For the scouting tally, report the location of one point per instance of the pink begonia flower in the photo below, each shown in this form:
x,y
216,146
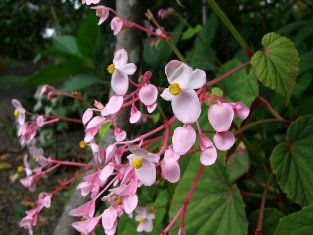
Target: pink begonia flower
x,y
93,127
37,154
98,152
151,108
148,94
120,70
88,114
30,220
91,184
113,106
86,210
19,111
241,110
106,172
135,114
27,131
110,152
88,2
183,80
86,226
170,167
33,176
224,140
116,25
145,220
102,12
144,164
109,221
164,13
183,139
221,116
119,134
208,151
98,104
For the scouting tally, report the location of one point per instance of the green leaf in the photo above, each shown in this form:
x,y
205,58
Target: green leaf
x,y
104,129
79,82
190,32
237,164
216,206
292,161
65,45
297,223
270,220
277,64
239,87
160,210
215,91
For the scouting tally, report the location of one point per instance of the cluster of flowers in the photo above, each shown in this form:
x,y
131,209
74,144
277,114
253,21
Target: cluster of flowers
x,y
126,165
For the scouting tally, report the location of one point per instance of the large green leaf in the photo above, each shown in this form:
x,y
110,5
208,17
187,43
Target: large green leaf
x,y
270,220
79,82
216,206
239,87
292,161
277,64
299,223
238,163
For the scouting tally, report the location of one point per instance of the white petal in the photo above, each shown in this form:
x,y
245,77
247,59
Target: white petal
x,y
119,82
186,106
120,58
147,173
167,95
177,72
197,79
130,203
129,69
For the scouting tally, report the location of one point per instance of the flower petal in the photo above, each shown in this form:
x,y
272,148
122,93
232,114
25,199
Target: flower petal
x,y
120,58
135,115
170,156
148,94
221,116
147,173
208,156
151,108
86,210
130,203
116,25
87,116
177,72
167,95
224,140
119,82
241,110
186,106
183,139
109,217
129,69
171,171
196,80
86,226
114,105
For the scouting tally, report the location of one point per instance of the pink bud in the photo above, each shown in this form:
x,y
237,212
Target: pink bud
x,y
135,114
224,140
241,110
221,116
116,25
183,139
148,94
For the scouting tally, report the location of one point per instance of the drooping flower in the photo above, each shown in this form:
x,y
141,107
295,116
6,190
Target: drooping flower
x,y
221,116
19,111
183,80
86,226
145,220
169,166
109,221
224,140
102,12
116,25
144,164
208,151
183,139
135,114
148,95
86,210
120,70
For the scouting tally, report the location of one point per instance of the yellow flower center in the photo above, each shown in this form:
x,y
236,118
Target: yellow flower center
x,y
174,89
20,169
99,11
111,68
141,220
118,201
137,162
82,144
16,113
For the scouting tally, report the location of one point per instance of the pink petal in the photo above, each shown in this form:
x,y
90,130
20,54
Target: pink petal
x,y
106,172
148,94
224,140
88,137
241,110
127,190
110,152
130,203
183,139
171,171
88,2
167,95
86,210
208,156
120,58
114,105
95,122
147,173
116,25
197,79
186,106
151,157
17,104
205,142
129,69
221,116
87,116
151,108
177,72
86,226
135,115
120,135
170,156
109,217
119,82
40,120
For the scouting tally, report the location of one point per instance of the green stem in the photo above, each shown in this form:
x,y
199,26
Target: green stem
x,y
257,123
219,12
176,51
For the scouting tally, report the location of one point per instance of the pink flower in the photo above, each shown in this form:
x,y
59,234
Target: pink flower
x,y
221,116
208,151
183,139
87,116
93,127
183,80
144,164
30,220
31,180
145,220
135,114
224,140
148,95
86,226
116,25
91,184
19,111
119,134
113,106
170,167
120,70
241,110
109,221
86,210
102,12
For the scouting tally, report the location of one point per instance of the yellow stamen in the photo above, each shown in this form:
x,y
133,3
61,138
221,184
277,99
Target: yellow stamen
x,y
174,89
118,201
82,144
20,169
111,68
16,113
137,162
141,220
99,11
